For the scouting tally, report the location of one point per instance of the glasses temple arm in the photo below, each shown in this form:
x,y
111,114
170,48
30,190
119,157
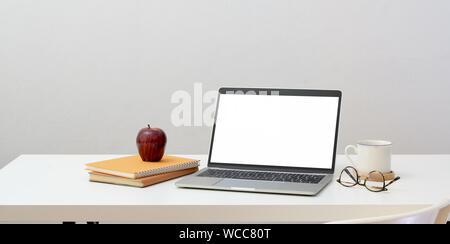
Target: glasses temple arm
x,y
350,174
394,180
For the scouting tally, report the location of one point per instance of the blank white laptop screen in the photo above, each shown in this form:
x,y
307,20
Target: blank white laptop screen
x,y
288,131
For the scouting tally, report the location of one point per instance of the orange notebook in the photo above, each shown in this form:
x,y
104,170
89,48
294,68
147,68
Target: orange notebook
x,y
134,168
142,182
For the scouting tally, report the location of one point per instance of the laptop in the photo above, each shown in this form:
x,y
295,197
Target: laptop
x,y
271,141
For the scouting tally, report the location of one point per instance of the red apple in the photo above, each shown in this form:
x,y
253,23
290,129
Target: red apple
x,y
151,143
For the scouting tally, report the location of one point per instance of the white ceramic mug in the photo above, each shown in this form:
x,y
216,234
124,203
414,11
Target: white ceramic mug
x,y
371,155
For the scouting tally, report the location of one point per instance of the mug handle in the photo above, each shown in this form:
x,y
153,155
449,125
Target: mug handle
x,y
348,155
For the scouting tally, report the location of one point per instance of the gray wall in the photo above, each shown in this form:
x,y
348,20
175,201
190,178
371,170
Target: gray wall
x,y
84,76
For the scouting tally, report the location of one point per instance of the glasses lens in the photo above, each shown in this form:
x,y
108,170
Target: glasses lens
x,y
349,177
375,181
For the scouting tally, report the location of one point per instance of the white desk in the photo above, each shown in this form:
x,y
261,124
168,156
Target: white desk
x,y
54,188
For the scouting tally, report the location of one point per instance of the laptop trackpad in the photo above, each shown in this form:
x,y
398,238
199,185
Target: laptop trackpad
x,y
247,184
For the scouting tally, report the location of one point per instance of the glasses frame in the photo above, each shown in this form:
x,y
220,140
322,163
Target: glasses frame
x,y
358,179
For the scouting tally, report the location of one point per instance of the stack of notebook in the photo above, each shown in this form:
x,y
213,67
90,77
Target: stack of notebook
x,y
132,171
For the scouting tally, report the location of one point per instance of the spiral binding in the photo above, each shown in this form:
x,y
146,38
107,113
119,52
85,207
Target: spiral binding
x,y
167,169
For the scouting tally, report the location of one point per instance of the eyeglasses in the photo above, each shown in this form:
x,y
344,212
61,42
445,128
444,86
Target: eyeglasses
x,y
374,181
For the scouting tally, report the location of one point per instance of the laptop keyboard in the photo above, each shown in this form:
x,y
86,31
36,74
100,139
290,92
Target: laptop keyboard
x,y
265,176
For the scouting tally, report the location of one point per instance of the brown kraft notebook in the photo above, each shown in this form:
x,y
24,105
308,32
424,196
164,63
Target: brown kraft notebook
x,y
134,168
142,182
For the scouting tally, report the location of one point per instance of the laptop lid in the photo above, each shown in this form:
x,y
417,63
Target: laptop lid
x,y
285,130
